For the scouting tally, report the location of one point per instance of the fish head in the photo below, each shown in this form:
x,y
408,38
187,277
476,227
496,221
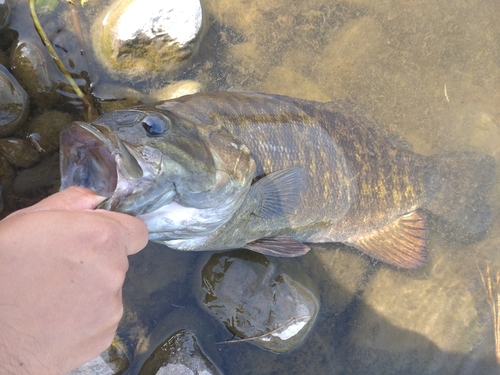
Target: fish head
x,y
143,160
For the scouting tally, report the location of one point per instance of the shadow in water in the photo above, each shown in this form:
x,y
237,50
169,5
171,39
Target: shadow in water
x,y
160,299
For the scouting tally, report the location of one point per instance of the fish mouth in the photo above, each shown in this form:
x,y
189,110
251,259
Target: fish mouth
x,y
92,156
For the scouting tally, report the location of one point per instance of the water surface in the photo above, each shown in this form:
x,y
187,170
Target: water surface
x,y
429,71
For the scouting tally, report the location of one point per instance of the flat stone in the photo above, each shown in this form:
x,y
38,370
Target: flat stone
x,y
257,301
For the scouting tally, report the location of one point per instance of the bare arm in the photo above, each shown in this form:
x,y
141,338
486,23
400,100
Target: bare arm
x,y
62,267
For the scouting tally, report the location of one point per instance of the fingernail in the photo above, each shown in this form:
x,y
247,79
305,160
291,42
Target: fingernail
x,y
100,199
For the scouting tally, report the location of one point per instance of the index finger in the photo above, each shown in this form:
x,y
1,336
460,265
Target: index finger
x,y
72,198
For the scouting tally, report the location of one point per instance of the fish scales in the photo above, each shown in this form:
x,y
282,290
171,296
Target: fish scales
x,y
268,172
378,181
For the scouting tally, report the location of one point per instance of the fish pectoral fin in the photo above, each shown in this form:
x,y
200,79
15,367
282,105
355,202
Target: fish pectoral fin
x,y
278,193
402,243
279,246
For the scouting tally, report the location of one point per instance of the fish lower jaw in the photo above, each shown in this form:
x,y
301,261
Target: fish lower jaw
x,y
192,244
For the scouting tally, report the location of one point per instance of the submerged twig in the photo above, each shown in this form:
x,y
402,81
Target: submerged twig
x,y
79,35
446,93
267,333
35,138
56,58
493,299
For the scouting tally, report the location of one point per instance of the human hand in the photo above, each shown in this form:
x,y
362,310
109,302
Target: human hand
x,y
62,267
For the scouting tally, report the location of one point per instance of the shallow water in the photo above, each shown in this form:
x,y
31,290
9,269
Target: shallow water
x,y
429,71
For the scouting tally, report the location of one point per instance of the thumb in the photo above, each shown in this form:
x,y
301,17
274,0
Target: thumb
x,y
72,198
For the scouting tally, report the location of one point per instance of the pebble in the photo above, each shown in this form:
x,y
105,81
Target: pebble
x,y
49,125
32,66
13,103
19,152
4,13
179,355
177,89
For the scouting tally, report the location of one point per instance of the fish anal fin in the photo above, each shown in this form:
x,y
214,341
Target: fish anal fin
x,y
279,246
402,243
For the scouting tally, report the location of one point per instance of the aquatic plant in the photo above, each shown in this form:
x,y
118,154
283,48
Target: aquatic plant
x,y
50,5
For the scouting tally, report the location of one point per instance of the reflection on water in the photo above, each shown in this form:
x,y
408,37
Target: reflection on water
x,y
430,71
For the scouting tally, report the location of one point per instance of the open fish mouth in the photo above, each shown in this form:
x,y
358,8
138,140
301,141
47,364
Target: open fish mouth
x,y
93,157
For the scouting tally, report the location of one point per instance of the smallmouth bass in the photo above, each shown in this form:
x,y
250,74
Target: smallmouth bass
x,y
224,170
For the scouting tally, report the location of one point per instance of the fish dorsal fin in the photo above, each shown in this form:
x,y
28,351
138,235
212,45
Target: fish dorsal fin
x,y
402,243
279,246
278,193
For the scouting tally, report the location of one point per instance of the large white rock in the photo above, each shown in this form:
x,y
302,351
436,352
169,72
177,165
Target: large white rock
x,y
134,37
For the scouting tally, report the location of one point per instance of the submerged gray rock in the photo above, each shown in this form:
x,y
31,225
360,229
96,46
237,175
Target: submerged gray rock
x,y
112,361
179,355
257,301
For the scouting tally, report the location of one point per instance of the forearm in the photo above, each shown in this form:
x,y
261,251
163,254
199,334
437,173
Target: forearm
x,y
11,361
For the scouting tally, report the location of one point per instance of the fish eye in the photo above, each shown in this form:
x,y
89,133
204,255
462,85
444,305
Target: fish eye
x,y
155,125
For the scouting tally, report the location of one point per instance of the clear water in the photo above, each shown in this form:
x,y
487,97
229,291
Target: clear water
x,y
430,71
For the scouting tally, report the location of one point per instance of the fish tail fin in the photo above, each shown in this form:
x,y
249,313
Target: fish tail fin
x,y
456,187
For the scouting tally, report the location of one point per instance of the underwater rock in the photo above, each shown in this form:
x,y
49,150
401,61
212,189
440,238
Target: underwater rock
x,y
112,361
137,37
13,103
257,301
4,59
6,181
156,293
19,152
340,273
179,355
416,317
6,174
49,125
36,72
176,90
42,175
4,13
112,97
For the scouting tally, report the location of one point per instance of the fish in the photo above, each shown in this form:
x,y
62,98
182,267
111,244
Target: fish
x,y
226,170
